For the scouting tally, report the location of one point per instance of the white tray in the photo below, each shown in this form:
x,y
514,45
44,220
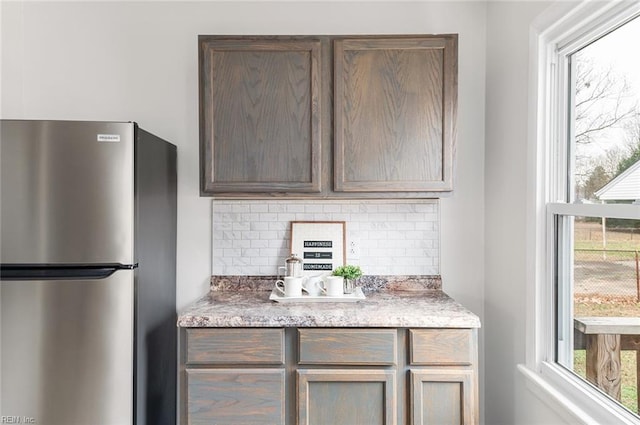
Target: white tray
x,y
357,295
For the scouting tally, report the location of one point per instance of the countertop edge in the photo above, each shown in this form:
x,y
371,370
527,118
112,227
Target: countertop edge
x,y
384,309
200,322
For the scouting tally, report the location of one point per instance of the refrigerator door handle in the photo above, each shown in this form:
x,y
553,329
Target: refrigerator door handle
x,y
60,271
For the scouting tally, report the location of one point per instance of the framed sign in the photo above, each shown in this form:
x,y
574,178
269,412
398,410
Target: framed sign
x,y
320,245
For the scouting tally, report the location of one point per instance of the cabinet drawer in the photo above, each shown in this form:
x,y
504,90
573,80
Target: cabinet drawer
x,y
441,346
347,346
235,396
235,346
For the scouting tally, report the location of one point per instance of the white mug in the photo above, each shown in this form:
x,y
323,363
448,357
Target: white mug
x,y
334,285
290,286
313,286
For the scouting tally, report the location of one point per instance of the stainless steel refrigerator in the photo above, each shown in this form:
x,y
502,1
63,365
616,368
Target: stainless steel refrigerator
x,y
87,278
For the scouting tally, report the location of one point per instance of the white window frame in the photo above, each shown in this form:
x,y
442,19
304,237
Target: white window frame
x,y
554,35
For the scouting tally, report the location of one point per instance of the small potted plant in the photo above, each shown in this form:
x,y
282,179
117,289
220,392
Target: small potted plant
x,y
350,273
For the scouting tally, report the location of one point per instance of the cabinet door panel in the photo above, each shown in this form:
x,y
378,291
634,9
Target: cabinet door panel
x,y
330,397
442,396
394,113
235,396
260,116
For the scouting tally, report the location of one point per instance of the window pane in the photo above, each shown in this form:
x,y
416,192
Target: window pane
x,y
599,303
605,111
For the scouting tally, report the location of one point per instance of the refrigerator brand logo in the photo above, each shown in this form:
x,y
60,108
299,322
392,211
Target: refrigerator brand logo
x,y
108,137
17,420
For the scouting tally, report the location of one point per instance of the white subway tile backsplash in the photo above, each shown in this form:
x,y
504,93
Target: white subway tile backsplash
x,y
259,261
241,243
423,225
259,207
426,207
294,208
379,217
279,225
238,208
275,243
331,208
241,225
270,216
251,252
231,252
397,217
360,217
405,226
250,217
259,243
388,208
270,252
286,217
223,225
395,237
271,234
259,225
250,235
277,206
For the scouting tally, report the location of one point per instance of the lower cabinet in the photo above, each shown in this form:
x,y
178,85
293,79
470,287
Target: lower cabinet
x,y
343,396
442,396
224,396
443,376
332,376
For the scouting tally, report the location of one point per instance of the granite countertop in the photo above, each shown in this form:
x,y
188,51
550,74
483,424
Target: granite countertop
x,y
391,301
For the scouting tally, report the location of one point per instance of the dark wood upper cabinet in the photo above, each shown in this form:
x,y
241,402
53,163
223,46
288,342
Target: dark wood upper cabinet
x,y
328,116
395,106
260,115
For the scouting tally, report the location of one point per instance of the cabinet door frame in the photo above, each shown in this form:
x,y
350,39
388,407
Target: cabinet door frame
x,y
448,44
208,47
385,376
463,376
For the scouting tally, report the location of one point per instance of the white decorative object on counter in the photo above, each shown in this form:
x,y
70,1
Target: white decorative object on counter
x,y
357,295
333,285
322,244
289,287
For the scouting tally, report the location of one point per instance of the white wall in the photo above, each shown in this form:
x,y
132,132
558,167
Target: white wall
x,y
507,398
138,61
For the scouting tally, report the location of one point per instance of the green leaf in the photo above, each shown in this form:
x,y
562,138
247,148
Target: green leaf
x,y
348,271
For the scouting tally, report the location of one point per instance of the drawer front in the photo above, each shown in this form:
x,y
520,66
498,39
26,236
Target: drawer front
x,y
348,346
441,347
235,346
235,396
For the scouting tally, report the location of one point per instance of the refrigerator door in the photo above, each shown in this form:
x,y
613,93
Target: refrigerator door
x,y
67,349
67,192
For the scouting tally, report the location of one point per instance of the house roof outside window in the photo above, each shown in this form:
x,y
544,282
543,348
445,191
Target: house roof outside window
x,y
625,187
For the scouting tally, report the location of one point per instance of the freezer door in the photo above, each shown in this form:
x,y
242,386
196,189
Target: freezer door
x,y
67,191
67,350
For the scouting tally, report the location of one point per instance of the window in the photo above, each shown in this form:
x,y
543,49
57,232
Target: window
x,y
587,225
597,265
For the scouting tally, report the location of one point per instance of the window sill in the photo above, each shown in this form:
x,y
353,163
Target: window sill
x,y
572,399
